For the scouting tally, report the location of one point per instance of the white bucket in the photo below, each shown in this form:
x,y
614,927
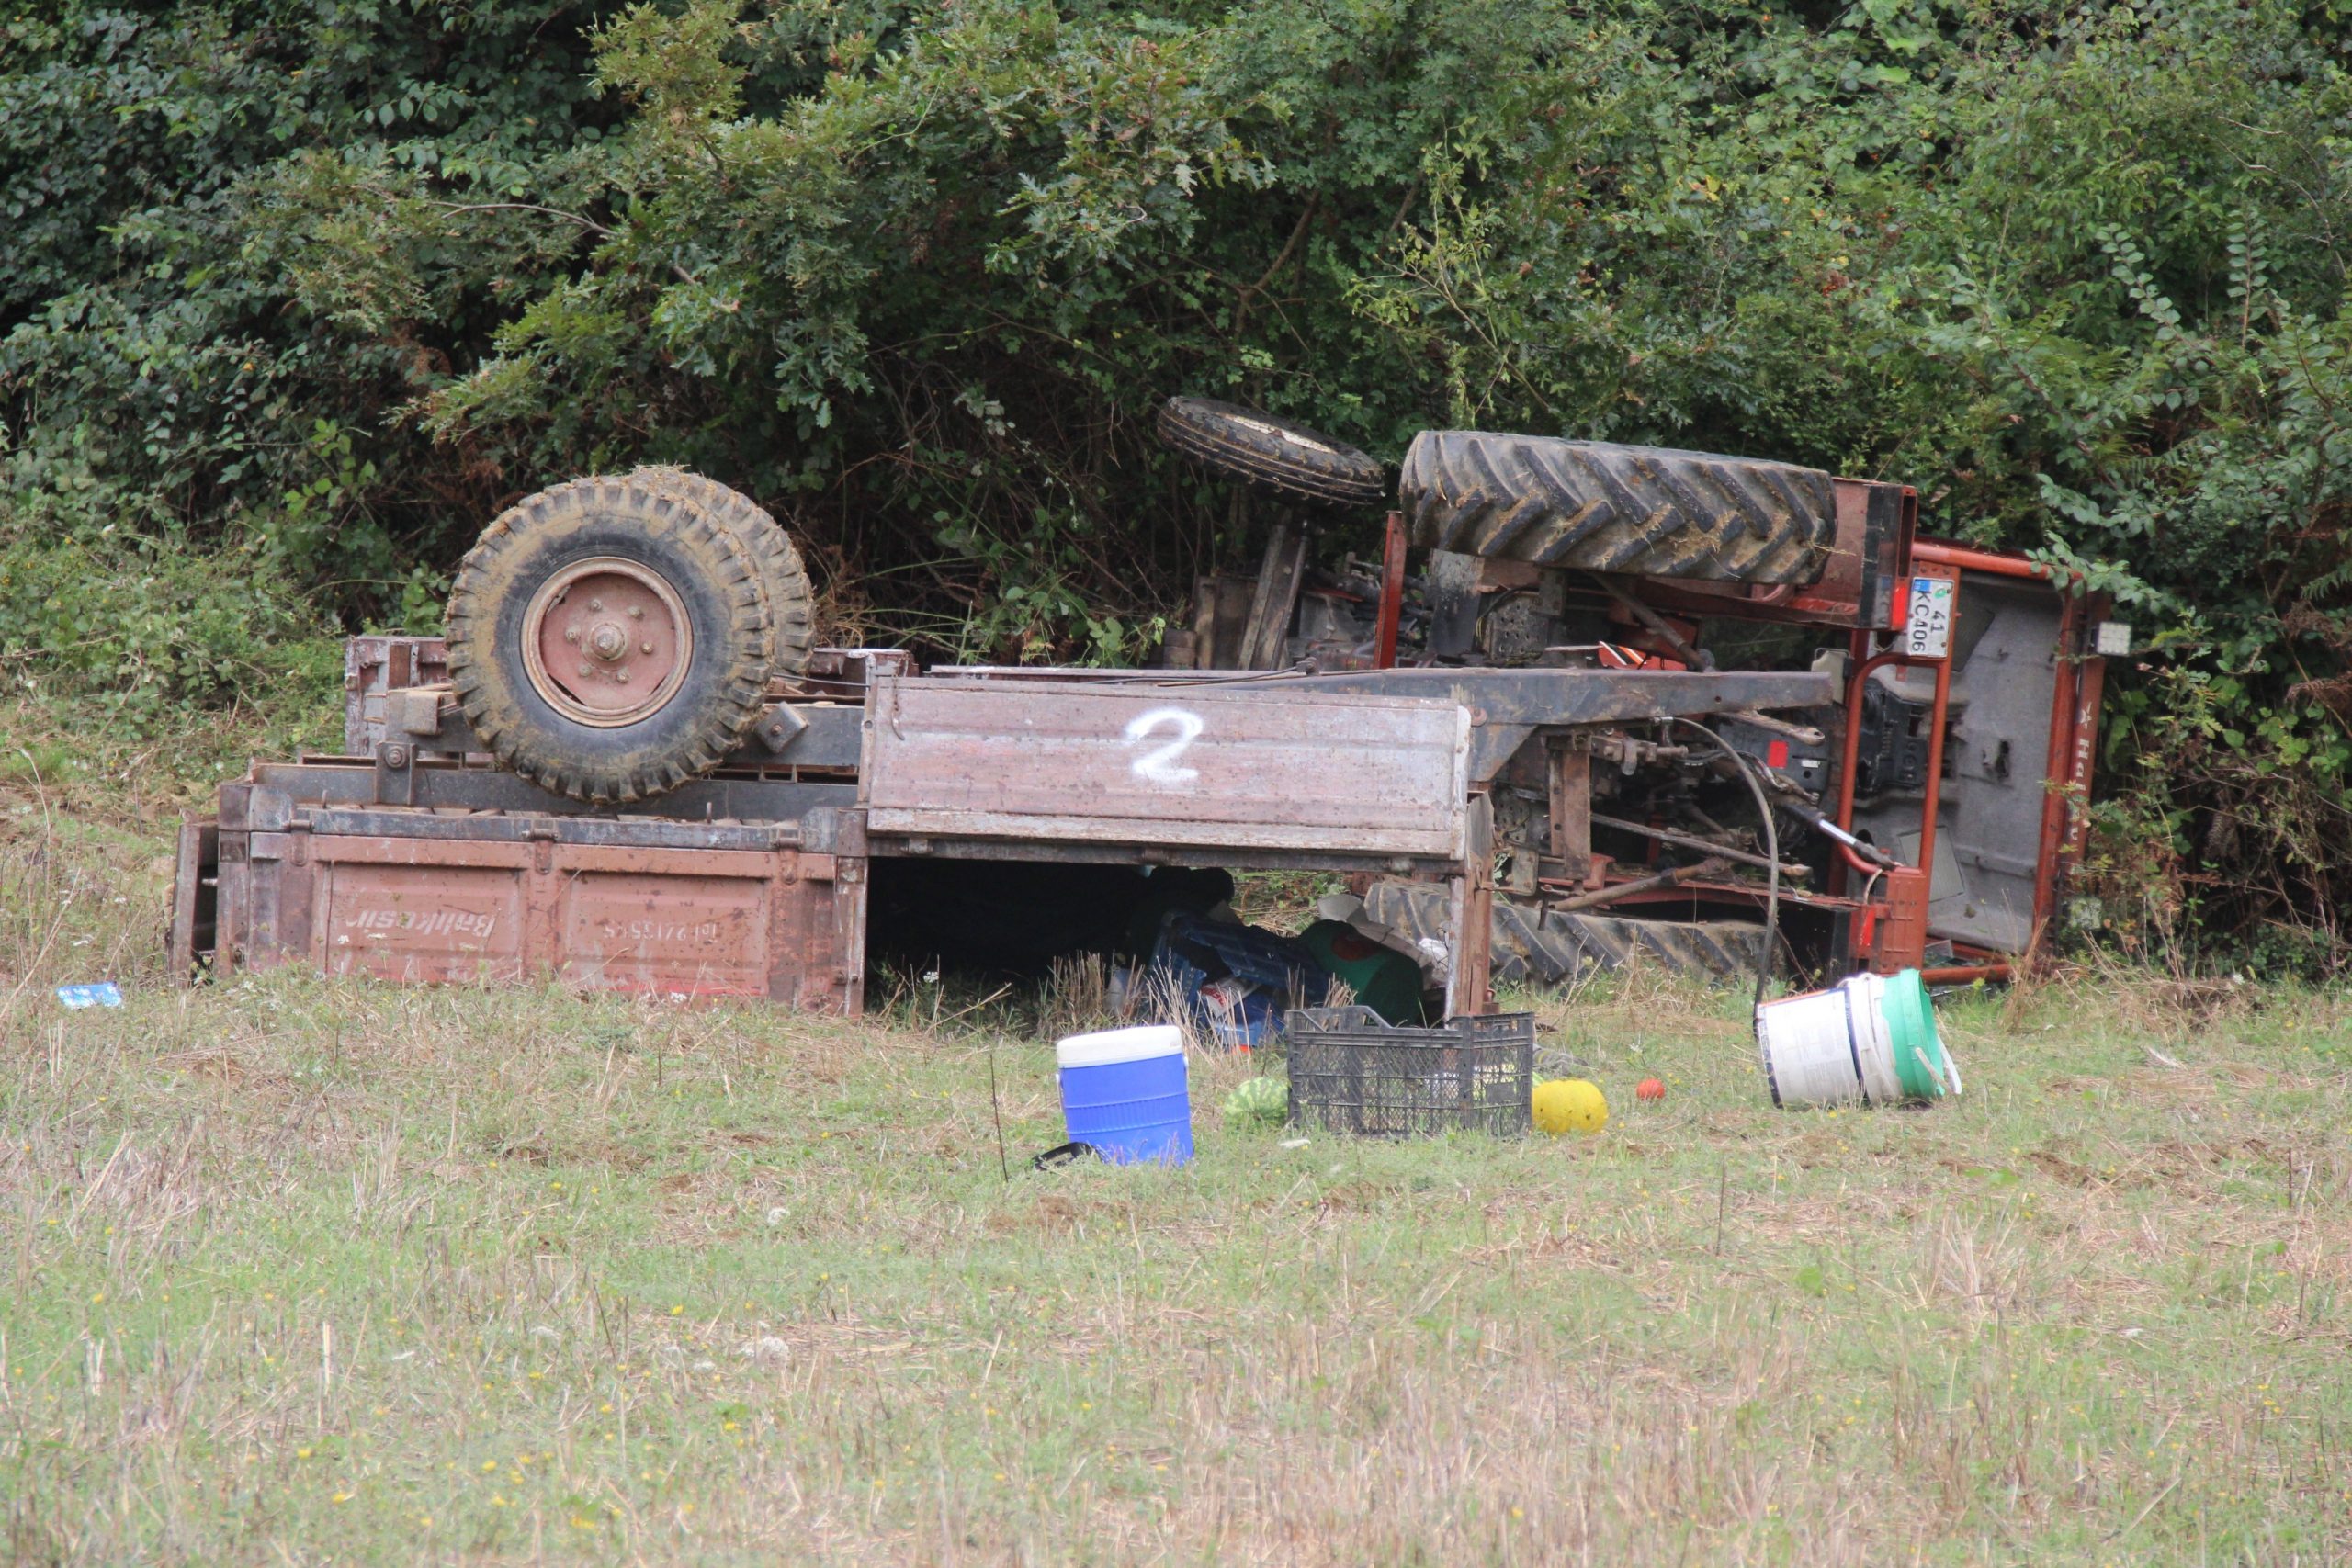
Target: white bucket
x,y
1830,1048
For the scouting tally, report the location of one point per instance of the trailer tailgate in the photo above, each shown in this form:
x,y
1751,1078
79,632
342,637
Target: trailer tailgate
x,y
1213,764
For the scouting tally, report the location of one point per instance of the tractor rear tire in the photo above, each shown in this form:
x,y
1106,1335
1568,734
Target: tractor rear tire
x,y
1290,460
610,639
791,599
1640,511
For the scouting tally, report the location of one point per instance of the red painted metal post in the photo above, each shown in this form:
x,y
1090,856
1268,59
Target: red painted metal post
x,y
1935,552
1858,658
1961,973
1936,732
1392,594
1856,687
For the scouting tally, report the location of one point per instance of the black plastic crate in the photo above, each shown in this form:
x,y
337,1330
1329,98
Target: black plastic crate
x,y
1351,1073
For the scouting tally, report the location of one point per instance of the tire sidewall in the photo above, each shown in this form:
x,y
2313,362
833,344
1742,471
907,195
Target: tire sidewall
x,y
609,756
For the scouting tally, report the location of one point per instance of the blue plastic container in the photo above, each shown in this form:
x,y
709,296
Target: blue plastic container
x,y
1125,1091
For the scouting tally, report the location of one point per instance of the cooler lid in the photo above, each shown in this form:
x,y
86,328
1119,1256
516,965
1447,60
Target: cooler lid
x,y
1110,1045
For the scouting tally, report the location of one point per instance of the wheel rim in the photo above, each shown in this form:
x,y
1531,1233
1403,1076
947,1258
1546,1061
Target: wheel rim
x,y
606,641
1295,437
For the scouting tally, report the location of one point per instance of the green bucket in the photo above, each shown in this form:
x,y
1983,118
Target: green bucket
x,y
1921,1065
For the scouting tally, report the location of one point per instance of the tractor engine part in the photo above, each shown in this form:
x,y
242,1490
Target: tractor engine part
x,y
1641,511
611,639
1893,750
1799,755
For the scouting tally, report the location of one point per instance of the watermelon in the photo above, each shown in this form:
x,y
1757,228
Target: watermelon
x,y
1258,1102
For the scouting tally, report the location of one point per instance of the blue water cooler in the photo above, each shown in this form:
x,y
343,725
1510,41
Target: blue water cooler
x,y
1125,1091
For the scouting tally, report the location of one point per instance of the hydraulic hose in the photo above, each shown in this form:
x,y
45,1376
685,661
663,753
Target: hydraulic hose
x,y
1771,853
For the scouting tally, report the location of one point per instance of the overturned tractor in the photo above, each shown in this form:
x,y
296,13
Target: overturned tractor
x,y
1633,702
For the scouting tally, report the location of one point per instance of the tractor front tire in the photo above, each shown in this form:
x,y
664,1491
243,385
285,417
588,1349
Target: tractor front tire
x,y
1289,460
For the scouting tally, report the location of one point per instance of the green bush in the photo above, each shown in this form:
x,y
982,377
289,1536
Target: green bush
x,y
139,627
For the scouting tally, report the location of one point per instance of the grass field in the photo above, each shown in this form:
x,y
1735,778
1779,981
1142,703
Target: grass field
x,y
306,1271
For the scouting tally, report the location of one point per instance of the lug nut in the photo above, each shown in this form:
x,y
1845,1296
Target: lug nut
x,y
596,604
586,668
622,676
571,634
637,612
644,647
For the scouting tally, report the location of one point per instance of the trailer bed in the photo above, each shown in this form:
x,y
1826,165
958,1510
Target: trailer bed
x,y
414,860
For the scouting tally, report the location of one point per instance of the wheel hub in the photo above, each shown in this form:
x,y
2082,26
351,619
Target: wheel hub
x,y
606,641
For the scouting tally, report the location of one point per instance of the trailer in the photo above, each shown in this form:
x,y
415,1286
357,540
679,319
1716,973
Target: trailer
x,y
414,857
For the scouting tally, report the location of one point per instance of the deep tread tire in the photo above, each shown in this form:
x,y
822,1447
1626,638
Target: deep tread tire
x,y
1642,511
790,598
714,573
1291,460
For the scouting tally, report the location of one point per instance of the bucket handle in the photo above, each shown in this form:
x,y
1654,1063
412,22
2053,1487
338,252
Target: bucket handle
x,y
1934,1072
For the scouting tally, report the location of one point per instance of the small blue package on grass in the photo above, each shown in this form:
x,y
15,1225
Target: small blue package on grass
x,y
102,994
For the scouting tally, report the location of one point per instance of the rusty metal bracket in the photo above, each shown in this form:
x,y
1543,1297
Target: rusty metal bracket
x,y
414,710
395,774
542,835
779,727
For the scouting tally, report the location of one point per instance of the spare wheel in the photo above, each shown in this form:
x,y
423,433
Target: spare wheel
x,y
791,599
610,639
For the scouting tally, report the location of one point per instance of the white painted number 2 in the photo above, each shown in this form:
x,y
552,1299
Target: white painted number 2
x,y
1159,765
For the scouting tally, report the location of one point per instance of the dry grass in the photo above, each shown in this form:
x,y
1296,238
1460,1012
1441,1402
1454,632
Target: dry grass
x,y
305,1272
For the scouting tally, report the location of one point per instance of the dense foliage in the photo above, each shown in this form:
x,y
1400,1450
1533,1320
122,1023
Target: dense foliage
x,y
298,294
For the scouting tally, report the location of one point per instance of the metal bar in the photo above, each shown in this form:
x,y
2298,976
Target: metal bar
x,y
1471,972
595,832
2057,762
1685,842
1610,895
1581,697
1569,792
1153,851
1929,808
2089,692
1508,705
445,784
1240,840
1853,752
1936,552
1961,973
1849,747
1392,594
1742,893
1804,733
1814,817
